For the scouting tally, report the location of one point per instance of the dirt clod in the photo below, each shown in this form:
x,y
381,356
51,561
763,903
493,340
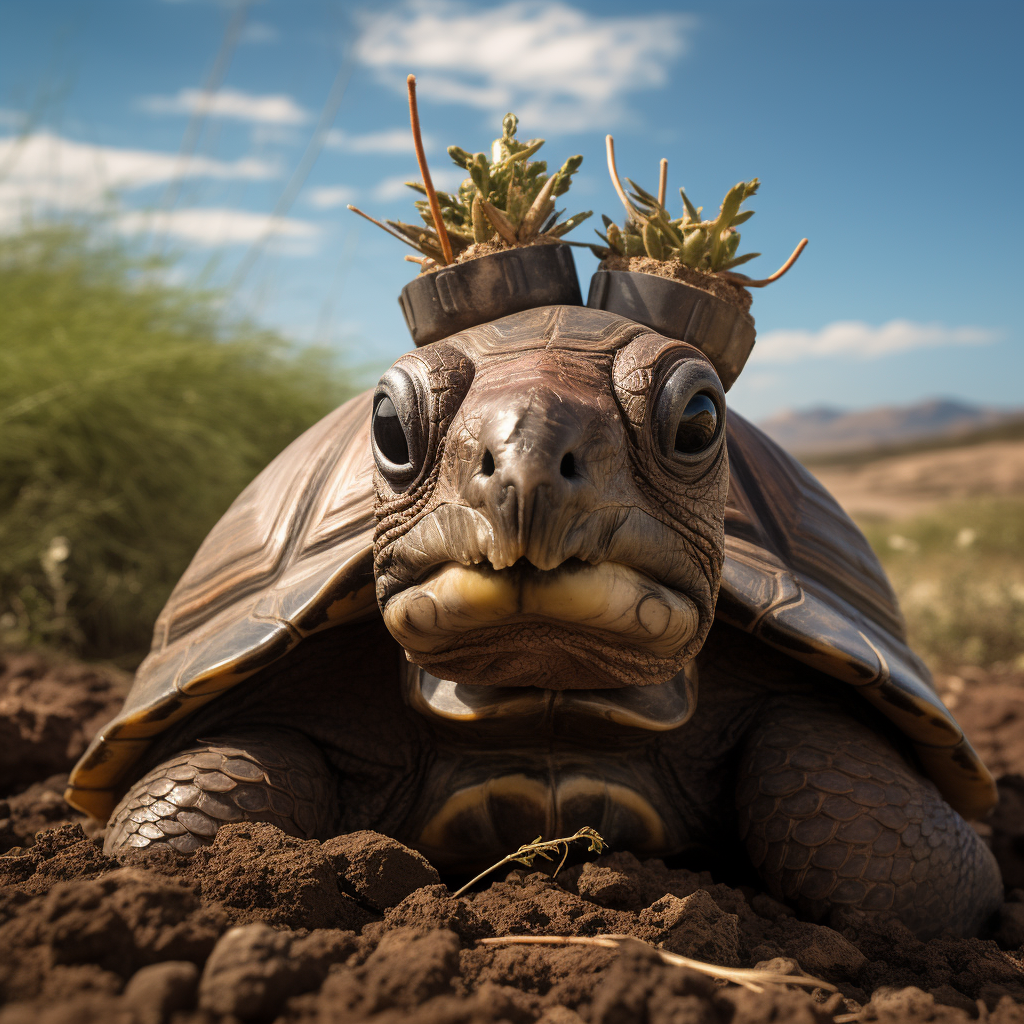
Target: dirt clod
x,y
260,874
49,710
253,969
157,991
377,870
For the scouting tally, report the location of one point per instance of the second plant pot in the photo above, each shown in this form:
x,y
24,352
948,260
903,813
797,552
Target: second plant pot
x,y
722,331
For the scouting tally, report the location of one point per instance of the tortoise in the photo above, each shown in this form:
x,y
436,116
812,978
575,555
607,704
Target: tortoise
x,y
474,604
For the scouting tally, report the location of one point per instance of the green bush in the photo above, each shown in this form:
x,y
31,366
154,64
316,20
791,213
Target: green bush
x,y
959,574
132,413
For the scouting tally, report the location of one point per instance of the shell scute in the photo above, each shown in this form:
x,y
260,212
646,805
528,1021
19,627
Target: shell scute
x,y
231,655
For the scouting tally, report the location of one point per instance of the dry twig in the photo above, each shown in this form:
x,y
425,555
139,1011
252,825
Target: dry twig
x,y
746,281
747,977
421,159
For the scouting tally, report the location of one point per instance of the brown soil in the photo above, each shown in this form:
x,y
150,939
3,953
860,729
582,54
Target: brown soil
x,y
264,927
479,249
721,287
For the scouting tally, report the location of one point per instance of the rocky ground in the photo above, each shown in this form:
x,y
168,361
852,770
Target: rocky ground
x,y
264,927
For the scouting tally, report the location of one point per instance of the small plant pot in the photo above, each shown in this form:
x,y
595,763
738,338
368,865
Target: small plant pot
x,y
720,330
475,292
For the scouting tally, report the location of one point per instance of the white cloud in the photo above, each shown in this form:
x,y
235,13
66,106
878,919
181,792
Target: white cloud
x,y
275,135
391,140
217,226
555,65
447,179
855,338
331,196
46,173
241,106
259,32
393,188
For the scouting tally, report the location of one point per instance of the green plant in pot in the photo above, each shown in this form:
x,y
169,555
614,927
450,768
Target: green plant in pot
x,y
493,248
677,275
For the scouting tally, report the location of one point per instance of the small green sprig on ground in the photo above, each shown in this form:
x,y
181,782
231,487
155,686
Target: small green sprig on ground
x,y
507,199
707,245
529,852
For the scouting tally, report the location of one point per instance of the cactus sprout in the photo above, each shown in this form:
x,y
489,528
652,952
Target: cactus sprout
x,y
507,198
708,245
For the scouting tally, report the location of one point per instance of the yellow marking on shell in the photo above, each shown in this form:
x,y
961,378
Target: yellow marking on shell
x,y
552,805
125,741
584,787
353,606
475,799
970,794
97,803
92,782
218,679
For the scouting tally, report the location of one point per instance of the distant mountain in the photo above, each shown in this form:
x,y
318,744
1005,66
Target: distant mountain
x,y
827,429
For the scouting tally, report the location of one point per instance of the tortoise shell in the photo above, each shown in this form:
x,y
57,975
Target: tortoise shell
x,y
294,555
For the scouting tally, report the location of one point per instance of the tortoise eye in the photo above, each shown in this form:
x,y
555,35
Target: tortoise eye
x,y
697,425
688,411
398,429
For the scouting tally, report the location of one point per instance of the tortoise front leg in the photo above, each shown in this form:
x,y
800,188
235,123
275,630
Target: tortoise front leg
x,y
275,776
832,815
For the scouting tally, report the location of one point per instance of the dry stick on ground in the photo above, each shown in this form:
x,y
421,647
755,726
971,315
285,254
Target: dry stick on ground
x,y
421,159
747,977
528,852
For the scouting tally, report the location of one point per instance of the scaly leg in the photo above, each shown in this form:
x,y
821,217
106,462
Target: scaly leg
x,y
275,776
832,815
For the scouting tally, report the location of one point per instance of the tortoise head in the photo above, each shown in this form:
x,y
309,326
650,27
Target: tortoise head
x,y
550,501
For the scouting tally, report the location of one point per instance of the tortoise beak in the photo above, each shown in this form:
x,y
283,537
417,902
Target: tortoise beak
x,y
608,598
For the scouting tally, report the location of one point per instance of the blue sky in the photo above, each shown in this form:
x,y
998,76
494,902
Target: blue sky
x,y
887,133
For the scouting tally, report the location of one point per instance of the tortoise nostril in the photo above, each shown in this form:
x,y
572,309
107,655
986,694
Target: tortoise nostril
x,y
568,466
487,466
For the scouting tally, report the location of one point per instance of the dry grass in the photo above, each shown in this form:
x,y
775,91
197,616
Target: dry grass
x,y
959,574
131,415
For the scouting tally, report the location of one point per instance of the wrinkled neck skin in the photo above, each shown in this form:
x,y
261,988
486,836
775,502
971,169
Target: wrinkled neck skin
x,y
549,540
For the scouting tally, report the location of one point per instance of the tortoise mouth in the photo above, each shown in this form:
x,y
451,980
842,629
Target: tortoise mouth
x,y
577,626
533,711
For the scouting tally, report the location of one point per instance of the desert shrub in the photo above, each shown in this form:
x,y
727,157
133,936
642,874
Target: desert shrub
x,y
959,574
132,412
